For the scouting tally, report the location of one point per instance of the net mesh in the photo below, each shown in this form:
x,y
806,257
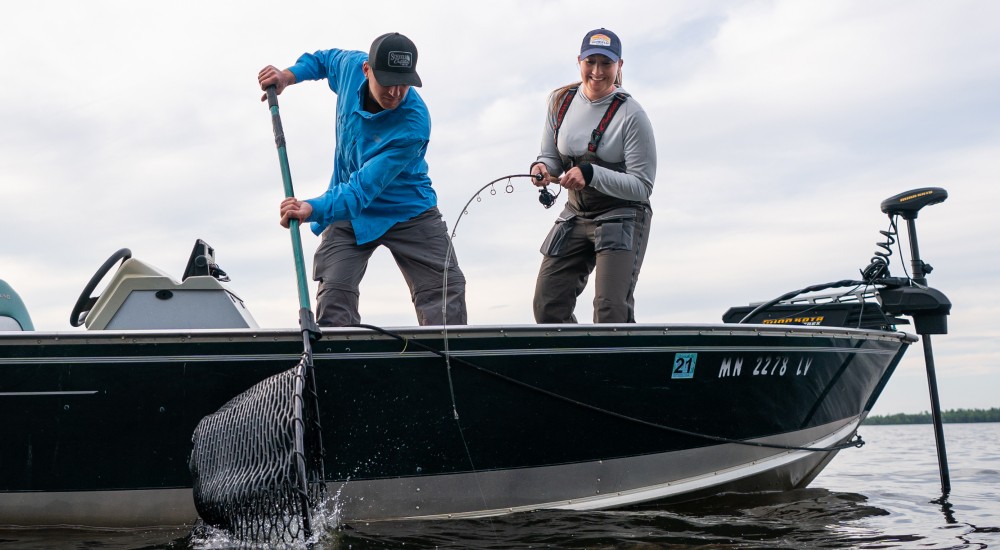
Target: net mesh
x,y
257,462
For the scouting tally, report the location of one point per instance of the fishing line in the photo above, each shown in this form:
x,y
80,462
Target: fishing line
x,y
546,198
856,442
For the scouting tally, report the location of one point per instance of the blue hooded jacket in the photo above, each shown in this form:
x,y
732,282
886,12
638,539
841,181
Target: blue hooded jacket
x,y
379,172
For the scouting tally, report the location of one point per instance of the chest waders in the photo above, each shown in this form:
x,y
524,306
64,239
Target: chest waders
x,y
595,230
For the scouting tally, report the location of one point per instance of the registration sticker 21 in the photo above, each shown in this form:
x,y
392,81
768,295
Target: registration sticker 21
x,y
684,364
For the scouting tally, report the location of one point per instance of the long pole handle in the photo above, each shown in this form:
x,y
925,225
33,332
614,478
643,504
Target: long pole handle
x,y
306,321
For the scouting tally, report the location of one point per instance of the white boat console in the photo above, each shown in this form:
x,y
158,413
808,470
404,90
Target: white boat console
x,y
143,297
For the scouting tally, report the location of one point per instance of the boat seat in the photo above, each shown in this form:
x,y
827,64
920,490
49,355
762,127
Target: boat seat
x,y
142,297
13,315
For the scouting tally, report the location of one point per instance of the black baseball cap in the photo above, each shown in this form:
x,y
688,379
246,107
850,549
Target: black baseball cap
x,y
601,41
393,58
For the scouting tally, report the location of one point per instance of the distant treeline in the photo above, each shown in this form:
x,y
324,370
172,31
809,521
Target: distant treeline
x,y
953,416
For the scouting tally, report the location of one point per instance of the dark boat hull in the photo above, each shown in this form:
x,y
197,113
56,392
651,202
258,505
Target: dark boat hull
x,y
98,426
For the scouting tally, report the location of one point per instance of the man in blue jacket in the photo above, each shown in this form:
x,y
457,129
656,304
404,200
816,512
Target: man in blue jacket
x,y
380,193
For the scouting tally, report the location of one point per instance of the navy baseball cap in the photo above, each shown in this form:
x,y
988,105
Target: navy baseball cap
x,y
601,41
393,58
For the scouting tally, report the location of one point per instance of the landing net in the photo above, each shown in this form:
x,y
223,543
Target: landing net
x,y
257,462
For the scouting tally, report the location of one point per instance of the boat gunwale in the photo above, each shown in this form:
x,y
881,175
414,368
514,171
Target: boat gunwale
x,y
452,331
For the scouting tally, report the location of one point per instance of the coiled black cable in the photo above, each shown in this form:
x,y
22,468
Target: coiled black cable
x,y
879,266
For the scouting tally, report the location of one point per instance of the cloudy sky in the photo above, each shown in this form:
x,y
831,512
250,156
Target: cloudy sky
x,y
780,127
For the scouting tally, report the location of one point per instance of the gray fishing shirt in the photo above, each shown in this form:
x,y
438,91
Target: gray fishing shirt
x,y
627,143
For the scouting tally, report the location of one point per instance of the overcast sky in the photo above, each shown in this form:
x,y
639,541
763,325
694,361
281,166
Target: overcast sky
x,y
780,127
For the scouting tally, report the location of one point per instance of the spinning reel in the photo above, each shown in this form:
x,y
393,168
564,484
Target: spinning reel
x,y
544,195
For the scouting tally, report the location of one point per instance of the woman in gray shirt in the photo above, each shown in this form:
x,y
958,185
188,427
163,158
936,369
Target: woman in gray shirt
x,y
598,144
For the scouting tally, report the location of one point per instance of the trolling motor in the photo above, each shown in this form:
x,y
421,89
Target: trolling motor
x,y
908,296
911,296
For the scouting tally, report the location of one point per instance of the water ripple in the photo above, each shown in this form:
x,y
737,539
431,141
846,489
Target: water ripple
x,y
884,495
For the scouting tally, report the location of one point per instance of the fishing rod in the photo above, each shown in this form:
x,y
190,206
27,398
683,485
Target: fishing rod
x,y
545,197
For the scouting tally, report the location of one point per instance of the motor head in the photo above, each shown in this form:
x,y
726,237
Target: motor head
x,y
908,203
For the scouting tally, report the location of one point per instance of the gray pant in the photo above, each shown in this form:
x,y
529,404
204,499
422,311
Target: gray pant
x,y
614,243
418,245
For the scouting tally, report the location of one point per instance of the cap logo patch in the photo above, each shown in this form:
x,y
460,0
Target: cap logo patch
x,y
400,59
600,40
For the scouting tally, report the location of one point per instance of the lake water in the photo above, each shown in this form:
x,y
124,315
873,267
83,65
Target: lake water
x,y
878,496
